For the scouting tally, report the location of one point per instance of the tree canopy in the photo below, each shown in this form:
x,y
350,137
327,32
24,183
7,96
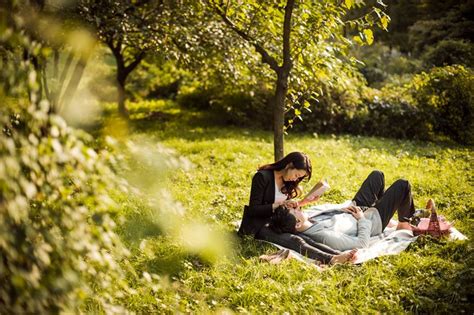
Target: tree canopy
x,y
300,41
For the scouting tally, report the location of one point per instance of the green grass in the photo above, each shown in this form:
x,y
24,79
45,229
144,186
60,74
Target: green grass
x,y
431,276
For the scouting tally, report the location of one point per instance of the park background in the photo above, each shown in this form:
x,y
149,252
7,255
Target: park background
x,y
131,131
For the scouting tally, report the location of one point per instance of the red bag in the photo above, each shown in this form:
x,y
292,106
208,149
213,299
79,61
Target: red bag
x,y
434,225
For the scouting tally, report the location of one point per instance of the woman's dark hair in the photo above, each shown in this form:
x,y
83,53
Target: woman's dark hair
x,y
282,221
299,161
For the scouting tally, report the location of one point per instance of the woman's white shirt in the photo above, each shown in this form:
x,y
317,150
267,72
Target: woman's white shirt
x,y
279,196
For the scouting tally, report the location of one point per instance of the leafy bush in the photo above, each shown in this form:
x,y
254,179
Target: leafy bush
x,y
453,23
436,103
381,63
389,112
57,239
155,78
196,97
449,52
236,105
446,97
245,108
332,109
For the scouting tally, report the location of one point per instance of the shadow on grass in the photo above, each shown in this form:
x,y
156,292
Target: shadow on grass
x,y
395,147
174,121
248,247
171,263
134,230
153,251
195,126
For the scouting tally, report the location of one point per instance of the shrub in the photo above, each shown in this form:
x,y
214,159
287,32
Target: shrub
x,y
436,103
243,108
446,96
57,242
390,112
334,108
449,52
155,78
196,97
236,105
381,64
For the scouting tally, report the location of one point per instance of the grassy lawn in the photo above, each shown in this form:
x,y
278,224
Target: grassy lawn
x,y
431,276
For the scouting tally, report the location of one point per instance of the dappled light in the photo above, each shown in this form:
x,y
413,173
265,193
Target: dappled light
x,y
137,150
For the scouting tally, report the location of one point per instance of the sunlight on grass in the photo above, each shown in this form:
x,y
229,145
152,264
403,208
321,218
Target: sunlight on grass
x,y
430,276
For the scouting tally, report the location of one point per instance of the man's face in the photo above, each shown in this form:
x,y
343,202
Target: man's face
x,y
301,217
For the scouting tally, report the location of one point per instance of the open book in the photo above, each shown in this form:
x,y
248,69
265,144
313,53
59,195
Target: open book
x,y
317,191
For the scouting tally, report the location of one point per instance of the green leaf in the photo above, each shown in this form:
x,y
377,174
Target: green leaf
x,y
358,40
369,36
384,20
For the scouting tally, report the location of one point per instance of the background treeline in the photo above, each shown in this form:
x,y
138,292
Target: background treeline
x,y
82,218
416,81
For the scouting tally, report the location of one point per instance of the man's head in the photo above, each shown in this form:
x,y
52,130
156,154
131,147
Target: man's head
x,y
282,221
287,220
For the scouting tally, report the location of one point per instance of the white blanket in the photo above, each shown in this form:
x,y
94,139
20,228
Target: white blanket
x,y
390,242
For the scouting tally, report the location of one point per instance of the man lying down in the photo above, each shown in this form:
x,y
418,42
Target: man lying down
x,y
341,229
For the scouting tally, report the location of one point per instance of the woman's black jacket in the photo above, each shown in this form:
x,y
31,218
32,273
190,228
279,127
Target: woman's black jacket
x,y
259,210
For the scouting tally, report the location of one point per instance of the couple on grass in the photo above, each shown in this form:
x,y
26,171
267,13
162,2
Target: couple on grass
x,y
273,215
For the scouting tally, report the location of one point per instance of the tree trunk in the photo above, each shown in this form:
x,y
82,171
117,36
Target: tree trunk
x,y
281,90
123,71
58,89
39,76
279,115
74,81
121,78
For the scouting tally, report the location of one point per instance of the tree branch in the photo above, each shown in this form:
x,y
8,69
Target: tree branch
x,y
62,78
286,35
135,62
116,50
265,56
74,80
298,51
47,92
360,18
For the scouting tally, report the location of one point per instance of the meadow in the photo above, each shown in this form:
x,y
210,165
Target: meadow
x,y
133,207
431,276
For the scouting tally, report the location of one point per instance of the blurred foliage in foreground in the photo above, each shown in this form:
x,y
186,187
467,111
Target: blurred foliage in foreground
x,y
62,204
57,243
74,236
64,245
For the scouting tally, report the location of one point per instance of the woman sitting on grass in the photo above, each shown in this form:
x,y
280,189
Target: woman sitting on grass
x,y
353,226
274,185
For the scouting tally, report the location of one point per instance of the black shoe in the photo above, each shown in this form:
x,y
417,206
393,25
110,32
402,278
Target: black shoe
x,y
419,213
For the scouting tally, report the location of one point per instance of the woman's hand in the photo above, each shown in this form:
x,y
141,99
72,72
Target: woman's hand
x,y
287,203
356,212
304,202
313,199
291,204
